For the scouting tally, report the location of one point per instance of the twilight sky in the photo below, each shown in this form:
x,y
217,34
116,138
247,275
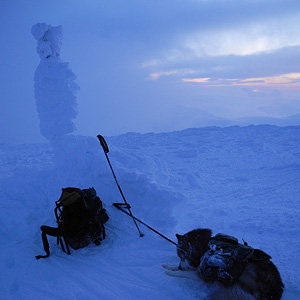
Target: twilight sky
x,y
147,65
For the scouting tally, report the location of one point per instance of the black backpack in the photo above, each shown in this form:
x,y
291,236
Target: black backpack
x,y
225,259
80,217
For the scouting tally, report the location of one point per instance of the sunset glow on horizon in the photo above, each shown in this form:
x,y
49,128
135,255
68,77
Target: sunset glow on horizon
x,y
284,81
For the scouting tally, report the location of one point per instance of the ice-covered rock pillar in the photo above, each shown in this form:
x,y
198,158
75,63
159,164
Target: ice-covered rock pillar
x,y
54,84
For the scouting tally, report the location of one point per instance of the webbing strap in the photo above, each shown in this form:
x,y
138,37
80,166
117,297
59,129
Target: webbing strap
x,y
46,246
56,232
119,206
62,240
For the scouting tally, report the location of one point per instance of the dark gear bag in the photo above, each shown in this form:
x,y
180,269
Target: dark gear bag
x,y
225,260
80,217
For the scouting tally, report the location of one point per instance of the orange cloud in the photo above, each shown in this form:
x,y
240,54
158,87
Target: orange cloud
x,y
198,80
290,80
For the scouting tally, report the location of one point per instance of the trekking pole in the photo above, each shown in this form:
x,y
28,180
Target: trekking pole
x,y
106,150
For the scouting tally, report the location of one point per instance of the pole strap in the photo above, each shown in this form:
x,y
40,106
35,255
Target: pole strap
x,y
119,206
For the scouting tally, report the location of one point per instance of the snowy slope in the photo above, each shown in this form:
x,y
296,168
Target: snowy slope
x,y
243,181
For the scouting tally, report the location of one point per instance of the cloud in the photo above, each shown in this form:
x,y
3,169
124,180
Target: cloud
x,y
238,42
201,34
284,81
179,73
253,38
155,76
150,63
197,80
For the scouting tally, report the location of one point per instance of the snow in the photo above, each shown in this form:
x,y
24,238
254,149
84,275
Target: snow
x,y
242,181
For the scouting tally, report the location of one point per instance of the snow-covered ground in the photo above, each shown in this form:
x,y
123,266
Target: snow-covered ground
x,y
243,181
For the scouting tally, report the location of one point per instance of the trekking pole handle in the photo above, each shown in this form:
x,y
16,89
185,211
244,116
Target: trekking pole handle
x,y
103,143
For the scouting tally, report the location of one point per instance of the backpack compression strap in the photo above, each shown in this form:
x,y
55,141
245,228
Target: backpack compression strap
x,y
56,232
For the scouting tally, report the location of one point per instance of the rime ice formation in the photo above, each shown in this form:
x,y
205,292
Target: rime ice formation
x,y
54,84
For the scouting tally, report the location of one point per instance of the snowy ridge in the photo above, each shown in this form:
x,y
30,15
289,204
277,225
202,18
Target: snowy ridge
x,y
242,181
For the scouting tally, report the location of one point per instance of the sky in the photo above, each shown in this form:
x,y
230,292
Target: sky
x,y
152,66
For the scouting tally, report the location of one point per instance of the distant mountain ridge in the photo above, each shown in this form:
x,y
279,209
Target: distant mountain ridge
x,y
186,117
293,120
